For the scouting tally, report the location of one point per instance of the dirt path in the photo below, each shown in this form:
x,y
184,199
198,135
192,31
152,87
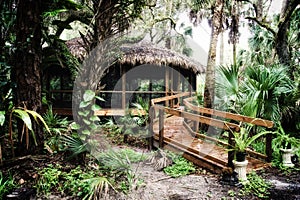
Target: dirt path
x,y
159,186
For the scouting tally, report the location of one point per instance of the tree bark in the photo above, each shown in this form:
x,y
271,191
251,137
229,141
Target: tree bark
x,y
209,88
26,71
281,38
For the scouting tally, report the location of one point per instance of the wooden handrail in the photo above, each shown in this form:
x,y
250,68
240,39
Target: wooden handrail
x,y
227,115
199,118
167,98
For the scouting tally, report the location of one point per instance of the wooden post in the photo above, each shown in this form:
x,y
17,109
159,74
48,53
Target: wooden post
x,y
230,153
191,83
150,89
151,119
123,88
167,84
161,128
269,147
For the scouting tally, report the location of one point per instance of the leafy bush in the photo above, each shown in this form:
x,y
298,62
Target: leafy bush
x,y
76,182
256,186
117,164
56,124
6,184
181,167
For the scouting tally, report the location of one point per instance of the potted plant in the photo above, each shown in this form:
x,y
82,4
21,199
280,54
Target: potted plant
x,y
242,141
286,144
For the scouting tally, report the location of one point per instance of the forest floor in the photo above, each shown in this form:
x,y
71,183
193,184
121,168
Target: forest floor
x,y
159,186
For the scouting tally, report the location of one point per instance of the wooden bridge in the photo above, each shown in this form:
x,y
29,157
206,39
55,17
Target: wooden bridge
x,y
175,123
175,128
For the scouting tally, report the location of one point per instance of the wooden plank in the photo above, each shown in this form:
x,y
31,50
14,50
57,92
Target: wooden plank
x,y
227,115
134,92
161,128
192,150
202,119
167,98
199,161
110,112
205,137
119,112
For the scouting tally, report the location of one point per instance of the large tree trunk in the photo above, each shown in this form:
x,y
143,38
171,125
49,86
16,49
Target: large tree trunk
x,y
281,39
27,69
209,88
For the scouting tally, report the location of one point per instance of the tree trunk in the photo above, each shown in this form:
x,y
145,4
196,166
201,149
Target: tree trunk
x,y
26,70
209,88
281,39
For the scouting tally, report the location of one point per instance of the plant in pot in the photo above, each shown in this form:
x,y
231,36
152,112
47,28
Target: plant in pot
x,y
287,145
242,141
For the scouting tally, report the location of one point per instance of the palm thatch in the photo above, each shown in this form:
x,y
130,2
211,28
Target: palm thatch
x,y
139,54
148,54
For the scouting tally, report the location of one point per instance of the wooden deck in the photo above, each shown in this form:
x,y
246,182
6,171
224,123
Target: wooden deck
x,y
102,112
202,152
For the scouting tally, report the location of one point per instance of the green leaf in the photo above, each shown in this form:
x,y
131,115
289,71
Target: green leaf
x,y
84,104
2,117
94,118
38,116
93,126
99,98
34,138
23,115
84,113
75,126
95,107
88,95
87,122
85,132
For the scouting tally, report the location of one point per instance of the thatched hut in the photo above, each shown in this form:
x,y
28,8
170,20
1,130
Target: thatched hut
x,y
148,72
143,71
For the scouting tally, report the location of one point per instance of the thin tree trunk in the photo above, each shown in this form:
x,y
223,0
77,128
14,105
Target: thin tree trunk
x,y
27,69
222,49
209,88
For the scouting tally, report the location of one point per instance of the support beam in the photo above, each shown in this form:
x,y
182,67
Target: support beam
x,y
161,128
167,84
123,87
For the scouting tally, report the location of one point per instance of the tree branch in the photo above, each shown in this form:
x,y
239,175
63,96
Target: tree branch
x,y
262,24
253,4
287,12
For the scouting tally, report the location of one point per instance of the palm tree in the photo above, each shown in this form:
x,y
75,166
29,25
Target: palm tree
x,y
217,26
227,88
262,88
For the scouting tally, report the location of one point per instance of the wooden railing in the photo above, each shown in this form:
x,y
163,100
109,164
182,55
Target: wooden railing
x,y
215,118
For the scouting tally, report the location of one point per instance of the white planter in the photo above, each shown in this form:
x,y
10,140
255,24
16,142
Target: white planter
x,y
241,169
287,157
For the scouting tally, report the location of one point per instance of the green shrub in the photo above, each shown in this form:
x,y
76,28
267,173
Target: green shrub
x,y
181,167
256,186
6,184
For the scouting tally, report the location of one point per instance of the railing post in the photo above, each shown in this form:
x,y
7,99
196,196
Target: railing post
x,y
269,147
230,153
161,128
151,119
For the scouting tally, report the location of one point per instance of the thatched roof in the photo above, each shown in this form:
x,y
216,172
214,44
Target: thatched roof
x,y
139,54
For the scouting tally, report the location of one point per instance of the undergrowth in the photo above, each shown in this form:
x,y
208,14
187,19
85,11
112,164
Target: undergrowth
x,y
180,167
6,184
256,186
